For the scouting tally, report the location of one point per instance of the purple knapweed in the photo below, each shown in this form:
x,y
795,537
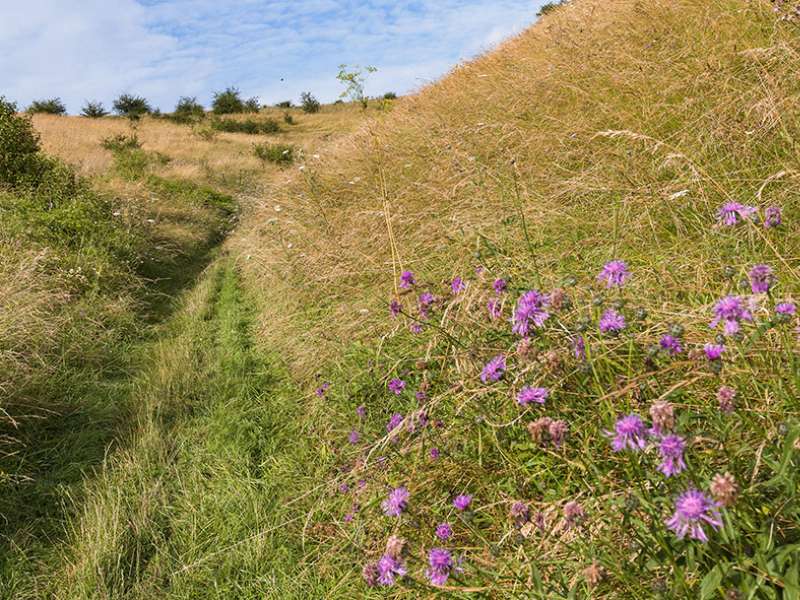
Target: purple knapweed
x,y
389,569
730,311
671,345
354,437
730,213
395,308
444,531
499,286
614,273
528,395
320,391
761,279
407,280
396,503
772,217
579,347
415,328
693,509
394,422
713,351
671,450
434,453
457,285
726,396
612,322
361,411
425,301
520,513
573,513
629,432
530,310
462,501
787,309
495,308
494,369
397,386
557,430
441,566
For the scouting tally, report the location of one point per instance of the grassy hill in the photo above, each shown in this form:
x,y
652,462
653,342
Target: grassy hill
x,y
528,333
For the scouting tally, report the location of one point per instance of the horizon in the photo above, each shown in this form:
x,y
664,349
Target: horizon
x,y
166,49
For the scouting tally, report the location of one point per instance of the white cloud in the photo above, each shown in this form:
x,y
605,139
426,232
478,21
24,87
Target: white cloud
x,y
164,49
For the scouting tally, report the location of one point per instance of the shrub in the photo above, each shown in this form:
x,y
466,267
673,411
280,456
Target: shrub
x,y
19,145
252,105
251,126
390,96
51,106
284,104
280,154
550,7
288,119
309,103
121,142
188,110
132,107
227,102
93,110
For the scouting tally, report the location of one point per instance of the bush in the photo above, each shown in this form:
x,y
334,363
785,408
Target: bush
x,y
284,104
132,107
51,106
19,146
280,154
550,7
390,96
227,102
251,126
288,119
93,110
252,105
188,110
309,103
121,142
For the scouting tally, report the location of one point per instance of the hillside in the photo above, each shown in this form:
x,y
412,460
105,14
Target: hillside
x,y
530,332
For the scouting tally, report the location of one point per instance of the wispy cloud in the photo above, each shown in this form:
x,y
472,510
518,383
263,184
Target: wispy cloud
x,y
273,49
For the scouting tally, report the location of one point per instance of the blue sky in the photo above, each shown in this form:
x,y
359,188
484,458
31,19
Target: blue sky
x,y
274,49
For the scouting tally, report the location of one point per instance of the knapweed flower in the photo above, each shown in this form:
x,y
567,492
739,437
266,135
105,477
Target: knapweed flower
x,y
499,285
671,450
726,396
435,453
787,309
536,395
495,308
441,565
693,509
713,351
579,347
354,437
395,546
761,279
573,513
494,369
425,300
361,411
389,569
629,432
457,285
462,501
540,429
396,503
320,391
415,328
520,514
395,308
407,280
724,489
614,273
444,531
662,413
671,345
730,213
530,310
370,574
772,217
343,488
612,322
557,430
394,422
397,386
730,311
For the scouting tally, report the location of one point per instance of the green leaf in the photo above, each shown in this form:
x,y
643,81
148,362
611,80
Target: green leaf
x,y
711,583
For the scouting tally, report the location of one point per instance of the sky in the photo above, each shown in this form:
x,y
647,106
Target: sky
x,y
83,50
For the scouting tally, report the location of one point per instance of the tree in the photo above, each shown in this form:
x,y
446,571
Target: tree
x,y
354,79
51,106
309,103
93,110
188,109
132,107
227,102
19,144
252,105
390,96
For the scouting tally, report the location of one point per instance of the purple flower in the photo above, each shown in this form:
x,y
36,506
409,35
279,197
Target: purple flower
x,y
425,300
415,328
579,347
528,395
499,286
693,509
530,309
361,411
395,308
671,450
396,503
343,488
441,565
389,568
772,217
730,213
420,395
761,279
495,308
457,285
397,386
444,531
394,422
786,308
730,311
320,391
614,273
629,432
671,345
462,502
354,437
713,351
494,369
434,453
407,280
612,322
